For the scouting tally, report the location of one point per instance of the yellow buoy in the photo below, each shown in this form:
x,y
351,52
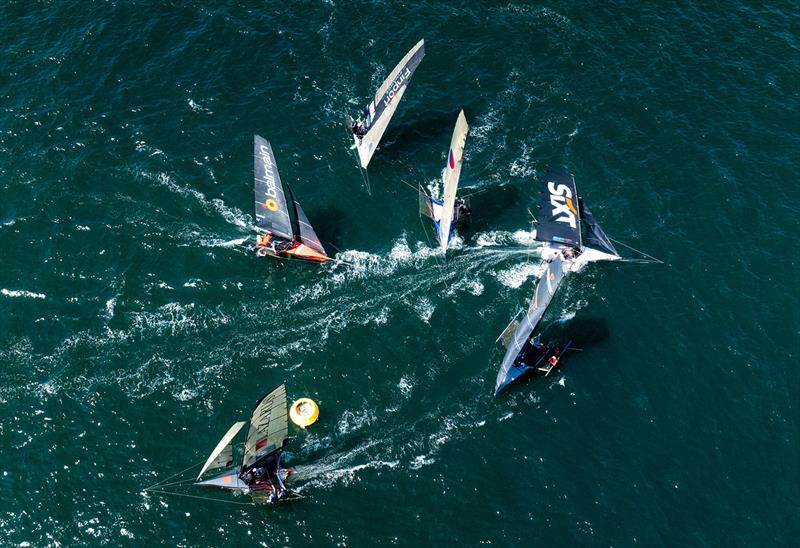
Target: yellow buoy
x,y
304,412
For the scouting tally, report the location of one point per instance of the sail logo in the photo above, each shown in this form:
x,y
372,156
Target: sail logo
x,y
561,199
396,85
271,204
452,160
269,177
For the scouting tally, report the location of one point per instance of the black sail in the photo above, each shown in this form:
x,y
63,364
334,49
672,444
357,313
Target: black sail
x,y
305,231
272,212
595,235
558,217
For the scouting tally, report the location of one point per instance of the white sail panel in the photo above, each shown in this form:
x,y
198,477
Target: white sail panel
x,y
367,145
450,176
222,447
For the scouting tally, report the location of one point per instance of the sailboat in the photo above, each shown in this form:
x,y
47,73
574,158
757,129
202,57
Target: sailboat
x,y
524,351
284,227
260,473
368,131
572,238
567,227
448,211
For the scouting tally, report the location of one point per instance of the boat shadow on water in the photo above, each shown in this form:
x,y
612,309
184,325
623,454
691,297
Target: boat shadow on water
x,y
585,334
331,224
491,206
430,130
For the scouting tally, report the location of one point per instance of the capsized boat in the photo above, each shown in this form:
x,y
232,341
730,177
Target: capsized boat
x,y
567,227
449,211
524,350
260,473
368,130
284,226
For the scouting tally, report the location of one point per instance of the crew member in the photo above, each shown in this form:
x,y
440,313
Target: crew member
x,y
462,211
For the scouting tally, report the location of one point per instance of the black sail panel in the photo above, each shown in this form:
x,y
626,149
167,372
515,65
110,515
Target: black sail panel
x,y
559,220
272,212
545,289
268,431
595,235
304,229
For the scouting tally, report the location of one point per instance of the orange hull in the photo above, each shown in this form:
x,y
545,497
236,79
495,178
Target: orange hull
x,y
302,251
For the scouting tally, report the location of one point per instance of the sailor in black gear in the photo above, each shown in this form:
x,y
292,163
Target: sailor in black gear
x,y
462,211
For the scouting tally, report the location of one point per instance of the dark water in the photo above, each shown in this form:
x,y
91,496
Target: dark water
x,y
135,327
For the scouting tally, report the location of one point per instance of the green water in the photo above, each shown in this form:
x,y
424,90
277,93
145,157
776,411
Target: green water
x,y
135,325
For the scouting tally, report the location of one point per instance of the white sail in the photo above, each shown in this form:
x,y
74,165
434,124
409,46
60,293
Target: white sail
x,y
450,176
223,444
383,106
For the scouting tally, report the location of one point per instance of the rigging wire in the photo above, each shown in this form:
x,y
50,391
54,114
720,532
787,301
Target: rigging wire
x,y
652,259
158,483
187,495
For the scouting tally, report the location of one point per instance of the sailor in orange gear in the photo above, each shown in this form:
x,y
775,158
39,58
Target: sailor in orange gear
x,y
263,239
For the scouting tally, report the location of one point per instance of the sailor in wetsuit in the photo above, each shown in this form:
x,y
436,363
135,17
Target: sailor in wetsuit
x,y
461,211
277,245
358,127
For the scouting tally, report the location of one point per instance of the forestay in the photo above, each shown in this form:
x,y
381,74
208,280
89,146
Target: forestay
x,y
545,289
381,109
272,212
450,176
558,217
268,431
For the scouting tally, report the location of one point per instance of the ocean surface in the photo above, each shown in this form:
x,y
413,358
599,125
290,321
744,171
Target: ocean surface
x,y
136,326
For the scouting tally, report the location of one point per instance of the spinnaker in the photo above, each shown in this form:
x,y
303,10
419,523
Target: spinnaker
x,y
368,130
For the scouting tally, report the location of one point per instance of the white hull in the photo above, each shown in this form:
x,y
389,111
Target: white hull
x,y
576,264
